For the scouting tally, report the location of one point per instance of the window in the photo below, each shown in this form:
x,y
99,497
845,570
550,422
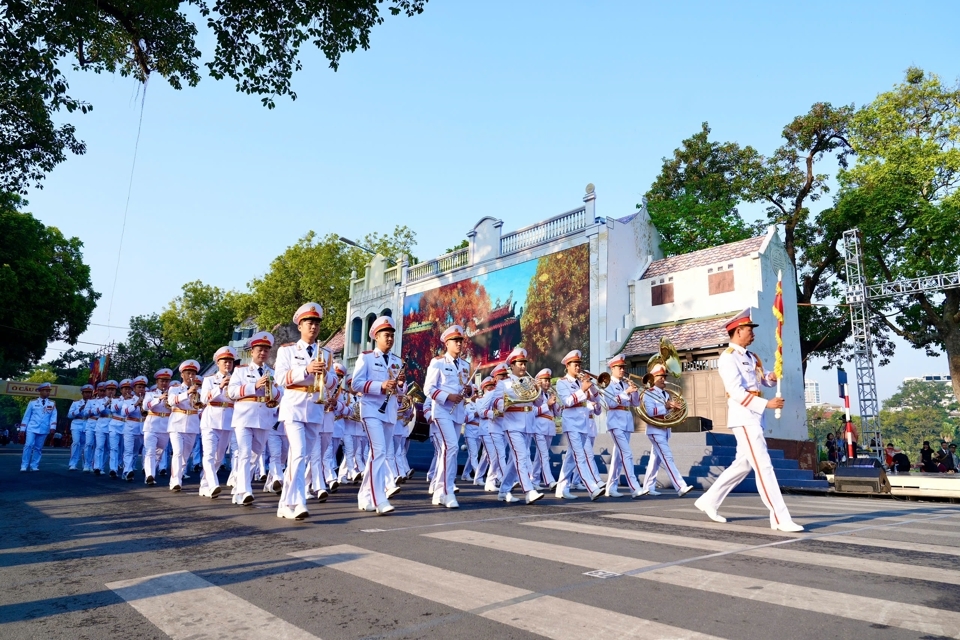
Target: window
x,y
356,330
387,312
661,293
720,282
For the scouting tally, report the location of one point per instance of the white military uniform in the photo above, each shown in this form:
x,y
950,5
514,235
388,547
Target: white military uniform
x,y
471,437
216,428
155,434
655,404
620,427
92,411
302,420
546,429
115,434
251,421
516,425
39,421
184,427
578,406
132,434
78,416
742,374
446,376
101,456
372,369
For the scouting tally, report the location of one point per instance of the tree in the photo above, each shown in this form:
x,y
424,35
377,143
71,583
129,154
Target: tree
x,y
144,351
319,270
915,394
257,46
693,202
198,322
902,194
45,288
40,373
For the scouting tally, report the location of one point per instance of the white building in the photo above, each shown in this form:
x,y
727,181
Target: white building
x,y
811,392
592,283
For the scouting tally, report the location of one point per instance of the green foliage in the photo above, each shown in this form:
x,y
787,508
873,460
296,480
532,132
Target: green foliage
x,y
914,394
45,288
41,373
902,194
318,270
257,46
144,351
693,202
198,322
463,244
919,411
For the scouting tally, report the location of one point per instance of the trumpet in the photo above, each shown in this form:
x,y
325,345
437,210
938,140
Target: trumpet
x,y
320,379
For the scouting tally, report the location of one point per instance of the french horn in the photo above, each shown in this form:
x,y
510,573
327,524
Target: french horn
x,y
669,358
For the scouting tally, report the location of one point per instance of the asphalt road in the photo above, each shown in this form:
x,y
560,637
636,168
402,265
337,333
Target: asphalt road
x,y
91,557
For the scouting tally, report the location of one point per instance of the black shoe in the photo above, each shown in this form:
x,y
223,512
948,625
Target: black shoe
x,y
334,486
129,477
175,488
151,481
197,467
96,472
113,474
162,472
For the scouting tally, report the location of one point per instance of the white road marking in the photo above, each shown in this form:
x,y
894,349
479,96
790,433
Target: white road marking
x,y
873,610
826,536
187,607
781,552
545,615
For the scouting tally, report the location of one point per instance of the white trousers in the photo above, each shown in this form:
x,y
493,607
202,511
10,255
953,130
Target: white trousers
x,y
448,440
621,462
275,452
115,437
541,459
519,447
400,455
249,447
103,449
89,445
660,455
132,443
473,451
577,461
77,446
181,445
349,467
301,438
373,488
213,443
32,446
751,454
154,444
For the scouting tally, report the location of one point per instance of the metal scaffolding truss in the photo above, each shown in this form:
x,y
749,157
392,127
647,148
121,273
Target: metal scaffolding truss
x,y
859,295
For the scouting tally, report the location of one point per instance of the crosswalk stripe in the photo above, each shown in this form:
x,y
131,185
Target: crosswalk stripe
x,y
544,615
185,606
879,521
864,565
887,509
874,610
839,537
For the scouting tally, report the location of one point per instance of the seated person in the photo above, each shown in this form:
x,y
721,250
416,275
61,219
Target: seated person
x,y
901,463
944,460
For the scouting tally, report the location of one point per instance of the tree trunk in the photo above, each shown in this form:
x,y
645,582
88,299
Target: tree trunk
x,y
950,333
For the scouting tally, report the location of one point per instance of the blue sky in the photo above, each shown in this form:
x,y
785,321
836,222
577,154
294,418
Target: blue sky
x,y
474,108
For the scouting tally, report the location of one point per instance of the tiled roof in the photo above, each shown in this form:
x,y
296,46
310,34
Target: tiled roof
x,y
685,335
336,341
703,257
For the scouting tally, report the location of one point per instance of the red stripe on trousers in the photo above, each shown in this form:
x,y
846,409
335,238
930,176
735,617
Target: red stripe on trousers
x,y
756,469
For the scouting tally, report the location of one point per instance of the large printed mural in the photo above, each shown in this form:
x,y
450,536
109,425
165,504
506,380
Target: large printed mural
x,y
542,305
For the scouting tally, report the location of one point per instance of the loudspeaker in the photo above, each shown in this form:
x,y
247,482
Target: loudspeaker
x,y
694,424
861,480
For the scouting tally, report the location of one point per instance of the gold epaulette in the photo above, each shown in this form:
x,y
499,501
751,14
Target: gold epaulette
x,y
729,350
288,344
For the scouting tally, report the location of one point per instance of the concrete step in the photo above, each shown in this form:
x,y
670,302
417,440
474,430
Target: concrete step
x,y
701,450
782,474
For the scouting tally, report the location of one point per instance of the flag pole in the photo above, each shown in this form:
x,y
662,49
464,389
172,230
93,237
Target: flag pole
x,y
778,359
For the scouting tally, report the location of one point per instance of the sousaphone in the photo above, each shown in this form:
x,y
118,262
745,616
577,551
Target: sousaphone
x,y
670,359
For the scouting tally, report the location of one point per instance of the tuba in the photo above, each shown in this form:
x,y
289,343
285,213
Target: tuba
x,y
669,358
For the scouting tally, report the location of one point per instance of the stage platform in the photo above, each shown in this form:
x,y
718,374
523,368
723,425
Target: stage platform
x,y
921,485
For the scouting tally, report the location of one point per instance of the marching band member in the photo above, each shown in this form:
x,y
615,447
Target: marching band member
x,y
115,434
742,374
104,417
401,467
657,402
184,425
574,393
39,421
155,424
487,428
447,383
471,438
90,431
133,416
301,367
546,429
377,375
273,460
350,465
622,395
516,421
330,465
216,421
78,414
254,412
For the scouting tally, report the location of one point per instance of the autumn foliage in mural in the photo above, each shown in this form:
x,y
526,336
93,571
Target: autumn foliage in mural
x,y
554,320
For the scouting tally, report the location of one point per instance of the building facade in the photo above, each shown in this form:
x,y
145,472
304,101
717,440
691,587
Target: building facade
x,y
811,392
597,284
